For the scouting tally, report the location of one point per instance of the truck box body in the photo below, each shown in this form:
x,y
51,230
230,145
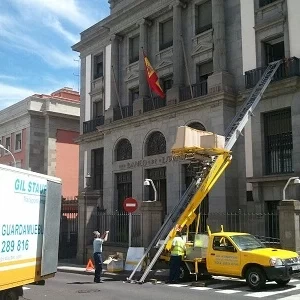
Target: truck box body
x,y
30,206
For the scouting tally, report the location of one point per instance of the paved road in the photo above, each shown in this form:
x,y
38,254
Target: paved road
x,y
76,287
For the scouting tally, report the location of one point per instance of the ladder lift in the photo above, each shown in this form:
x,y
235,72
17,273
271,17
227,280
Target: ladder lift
x,y
212,165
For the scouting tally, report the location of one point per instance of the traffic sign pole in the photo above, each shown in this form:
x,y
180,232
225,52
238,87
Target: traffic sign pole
x,y
130,229
130,205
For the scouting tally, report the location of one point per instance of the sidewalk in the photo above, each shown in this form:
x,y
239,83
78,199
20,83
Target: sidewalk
x,y
159,274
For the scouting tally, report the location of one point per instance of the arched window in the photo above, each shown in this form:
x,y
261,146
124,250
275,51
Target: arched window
x,y
156,144
197,125
123,150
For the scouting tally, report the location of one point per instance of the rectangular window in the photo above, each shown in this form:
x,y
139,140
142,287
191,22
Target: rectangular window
x,y
166,34
97,109
134,49
98,66
7,143
274,50
18,141
265,2
167,83
203,71
278,142
133,95
203,17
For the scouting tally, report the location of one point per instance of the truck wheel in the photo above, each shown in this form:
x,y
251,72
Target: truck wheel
x,y
9,295
282,282
255,278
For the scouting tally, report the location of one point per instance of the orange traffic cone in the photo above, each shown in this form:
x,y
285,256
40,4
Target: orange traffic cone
x,y
90,267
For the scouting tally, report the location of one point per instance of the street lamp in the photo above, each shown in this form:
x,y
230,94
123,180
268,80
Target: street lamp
x,y
2,147
147,182
296,181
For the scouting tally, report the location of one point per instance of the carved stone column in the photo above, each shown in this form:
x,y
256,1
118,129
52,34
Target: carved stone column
x,y
177,45
220,80
115,44
218,21
114,80
178,66
143,85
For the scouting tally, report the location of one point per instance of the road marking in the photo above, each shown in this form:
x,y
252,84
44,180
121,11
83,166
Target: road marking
x,y
293,297
201,288
267,294
178,285
26,288
228,292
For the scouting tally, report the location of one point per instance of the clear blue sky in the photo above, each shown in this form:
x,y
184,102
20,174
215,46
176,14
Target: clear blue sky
x,y
35,44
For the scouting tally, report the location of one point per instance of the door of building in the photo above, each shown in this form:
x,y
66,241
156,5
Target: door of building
x,y
124,188
158,175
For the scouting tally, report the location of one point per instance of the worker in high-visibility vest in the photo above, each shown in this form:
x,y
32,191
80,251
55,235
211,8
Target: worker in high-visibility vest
x,y
177,253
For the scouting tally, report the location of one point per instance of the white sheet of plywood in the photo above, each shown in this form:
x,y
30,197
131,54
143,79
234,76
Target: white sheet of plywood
x,y
190,138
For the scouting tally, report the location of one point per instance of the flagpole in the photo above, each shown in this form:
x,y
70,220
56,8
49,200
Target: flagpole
x,y
117,92
151,95
186,66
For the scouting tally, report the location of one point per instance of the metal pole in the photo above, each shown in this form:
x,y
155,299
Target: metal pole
x,y
288,182
2,147
117,92
186,66
130,229
155,190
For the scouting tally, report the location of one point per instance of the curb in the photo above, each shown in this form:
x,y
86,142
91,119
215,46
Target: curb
x,y
122,276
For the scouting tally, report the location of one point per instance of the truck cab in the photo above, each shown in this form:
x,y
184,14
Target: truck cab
x,y
242,255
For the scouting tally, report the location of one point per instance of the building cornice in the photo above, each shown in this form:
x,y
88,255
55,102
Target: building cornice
x,y
170,111
117,23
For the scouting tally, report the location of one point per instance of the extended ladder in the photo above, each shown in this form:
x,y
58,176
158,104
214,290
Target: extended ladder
x,y
246,111
184,212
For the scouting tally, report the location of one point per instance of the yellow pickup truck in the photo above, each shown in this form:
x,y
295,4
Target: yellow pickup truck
x,y
238,255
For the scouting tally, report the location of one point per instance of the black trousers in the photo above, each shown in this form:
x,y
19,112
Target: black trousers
x,y
98,266
175,262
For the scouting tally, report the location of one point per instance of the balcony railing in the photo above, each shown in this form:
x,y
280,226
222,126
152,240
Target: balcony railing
x,y
289,68
90,126
199,89
127,111
153,103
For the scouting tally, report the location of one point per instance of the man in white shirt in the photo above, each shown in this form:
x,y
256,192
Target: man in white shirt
x,y
97,247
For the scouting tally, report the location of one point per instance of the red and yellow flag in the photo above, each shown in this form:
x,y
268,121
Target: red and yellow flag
x,y
152,78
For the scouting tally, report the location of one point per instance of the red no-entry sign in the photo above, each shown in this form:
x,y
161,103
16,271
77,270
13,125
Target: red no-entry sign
x,y
130,205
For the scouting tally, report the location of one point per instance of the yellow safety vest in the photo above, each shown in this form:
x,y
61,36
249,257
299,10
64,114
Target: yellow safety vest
x,y
179,246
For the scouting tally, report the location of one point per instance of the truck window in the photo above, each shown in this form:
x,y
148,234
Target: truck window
x,y
221,243
247,242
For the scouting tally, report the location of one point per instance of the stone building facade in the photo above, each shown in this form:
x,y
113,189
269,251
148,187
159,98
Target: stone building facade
x,y
208,54
40,131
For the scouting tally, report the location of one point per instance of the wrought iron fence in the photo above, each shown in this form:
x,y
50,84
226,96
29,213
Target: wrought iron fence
x,y
265,226
90,126
289,68
68,229
118,226
153,103
127,111
199,89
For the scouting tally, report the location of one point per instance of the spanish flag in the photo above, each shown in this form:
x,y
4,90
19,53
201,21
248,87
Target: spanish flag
x,y
152,78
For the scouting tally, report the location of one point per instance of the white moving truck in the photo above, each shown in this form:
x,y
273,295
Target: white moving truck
x,y
30,205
